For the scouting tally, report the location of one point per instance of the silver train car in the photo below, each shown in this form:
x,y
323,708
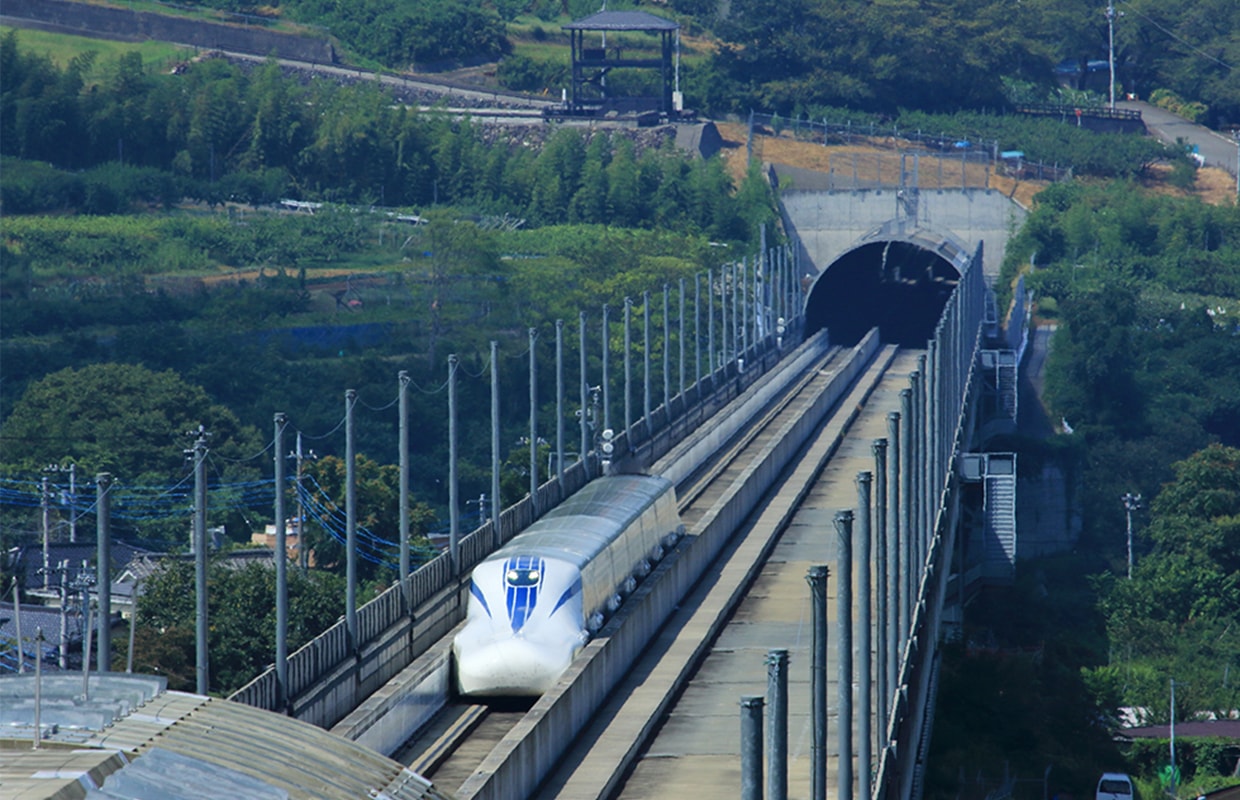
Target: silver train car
x,y
536,601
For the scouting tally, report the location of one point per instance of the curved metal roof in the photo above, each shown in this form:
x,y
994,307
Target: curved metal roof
x,y
132,738
622,21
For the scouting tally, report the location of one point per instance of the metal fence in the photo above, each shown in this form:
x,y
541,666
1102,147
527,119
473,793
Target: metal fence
x,y
331,674
939,401
904,157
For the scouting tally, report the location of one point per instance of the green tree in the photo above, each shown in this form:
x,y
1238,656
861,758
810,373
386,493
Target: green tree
x,y
241,619
1091,379
378,500
276,129
1174,618
623,197
589,203
350,151
119,418
557,176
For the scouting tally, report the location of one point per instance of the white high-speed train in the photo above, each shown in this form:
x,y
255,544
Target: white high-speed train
x,y
535,601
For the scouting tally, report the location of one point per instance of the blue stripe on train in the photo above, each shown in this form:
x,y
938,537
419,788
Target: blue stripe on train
x,y
568,595
522,599
476,591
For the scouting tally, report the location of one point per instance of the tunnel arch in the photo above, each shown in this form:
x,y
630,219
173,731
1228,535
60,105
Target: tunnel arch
x,y
898,283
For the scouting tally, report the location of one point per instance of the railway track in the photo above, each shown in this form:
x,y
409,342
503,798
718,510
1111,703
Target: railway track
x,y
680,736
456,743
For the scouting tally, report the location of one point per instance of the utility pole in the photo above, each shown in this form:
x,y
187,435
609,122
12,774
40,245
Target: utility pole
x,y
496,531
302,550
43,504
81,584
1132,502
402,380
62,651
72,495
72,502
199,456
533,334
454,513
350,507
559,407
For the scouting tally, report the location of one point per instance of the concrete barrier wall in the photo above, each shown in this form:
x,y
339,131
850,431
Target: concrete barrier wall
x,y
330,677
340,686
528,753
402,705
681,460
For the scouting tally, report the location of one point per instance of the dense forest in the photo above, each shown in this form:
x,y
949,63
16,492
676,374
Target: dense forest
x,y
797,56
216,132
1144,372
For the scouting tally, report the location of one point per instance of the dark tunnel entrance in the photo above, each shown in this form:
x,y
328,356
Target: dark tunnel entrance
x,y
900,287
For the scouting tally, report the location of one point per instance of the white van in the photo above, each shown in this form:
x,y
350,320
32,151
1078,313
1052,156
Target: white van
x,y
1114,786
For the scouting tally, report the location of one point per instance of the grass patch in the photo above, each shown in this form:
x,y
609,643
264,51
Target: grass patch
x,y
62,48
549,50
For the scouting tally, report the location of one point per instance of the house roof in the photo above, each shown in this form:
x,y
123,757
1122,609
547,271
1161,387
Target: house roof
x,y
27,560
1222,729
622,21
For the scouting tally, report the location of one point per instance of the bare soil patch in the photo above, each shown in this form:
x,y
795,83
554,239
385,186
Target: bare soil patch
x,y
880,159
870,159
1212,185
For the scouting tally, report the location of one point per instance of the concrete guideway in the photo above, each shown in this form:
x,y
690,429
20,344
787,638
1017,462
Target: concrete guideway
x,y
517,767
749,604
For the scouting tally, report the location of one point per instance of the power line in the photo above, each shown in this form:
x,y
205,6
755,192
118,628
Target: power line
x,y
1175,36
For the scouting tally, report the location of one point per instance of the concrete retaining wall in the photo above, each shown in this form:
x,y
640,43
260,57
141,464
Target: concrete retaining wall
x,y
86,19
827,224
404,704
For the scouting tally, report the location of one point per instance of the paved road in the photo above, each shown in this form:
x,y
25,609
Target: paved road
x,y
1217,149
1032,410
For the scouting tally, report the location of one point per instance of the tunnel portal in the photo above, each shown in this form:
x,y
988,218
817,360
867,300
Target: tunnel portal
x,y
899,286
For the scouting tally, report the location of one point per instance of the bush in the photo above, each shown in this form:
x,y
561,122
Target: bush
x,y
1169,100
32,187
523,74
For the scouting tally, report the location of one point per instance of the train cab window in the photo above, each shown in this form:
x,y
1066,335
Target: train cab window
x,y
517,577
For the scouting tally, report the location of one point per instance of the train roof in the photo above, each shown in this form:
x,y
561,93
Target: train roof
x,y
614,497
580,528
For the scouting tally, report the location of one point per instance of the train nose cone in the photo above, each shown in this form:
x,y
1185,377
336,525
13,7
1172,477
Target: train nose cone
x,y
514,667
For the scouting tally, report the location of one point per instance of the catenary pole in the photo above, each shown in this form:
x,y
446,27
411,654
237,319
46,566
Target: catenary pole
x,y
280,557
402,384
350,506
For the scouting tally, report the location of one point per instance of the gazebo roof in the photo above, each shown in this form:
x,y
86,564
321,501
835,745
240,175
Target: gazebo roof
x,y
622,21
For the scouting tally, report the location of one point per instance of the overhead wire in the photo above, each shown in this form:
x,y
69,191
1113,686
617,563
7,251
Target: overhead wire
x,y
1176,36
